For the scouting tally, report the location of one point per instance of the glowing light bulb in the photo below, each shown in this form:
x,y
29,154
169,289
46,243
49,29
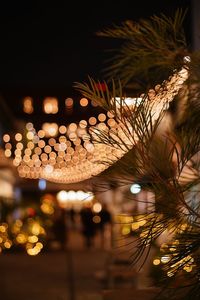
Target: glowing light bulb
x,y
135,188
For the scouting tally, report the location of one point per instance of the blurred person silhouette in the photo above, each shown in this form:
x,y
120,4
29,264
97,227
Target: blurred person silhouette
x,y
104,225
88,225
60,228
72,217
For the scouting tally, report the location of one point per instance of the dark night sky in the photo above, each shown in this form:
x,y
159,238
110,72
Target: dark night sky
x,y
51,45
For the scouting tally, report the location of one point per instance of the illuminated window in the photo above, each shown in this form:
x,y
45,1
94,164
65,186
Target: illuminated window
x,y
50,105
28,105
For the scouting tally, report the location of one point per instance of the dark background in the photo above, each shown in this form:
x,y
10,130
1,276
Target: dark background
x,y
46,47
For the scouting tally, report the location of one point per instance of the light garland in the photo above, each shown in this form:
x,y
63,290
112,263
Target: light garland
x,y
67,154
67,158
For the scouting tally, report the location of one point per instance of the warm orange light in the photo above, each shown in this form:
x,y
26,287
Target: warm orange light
x,y
7,153
72,127
50,129
6,138
92,121
94,103
84,102
62,129
29,126
18,137
69,103
30,135
102,117
83,124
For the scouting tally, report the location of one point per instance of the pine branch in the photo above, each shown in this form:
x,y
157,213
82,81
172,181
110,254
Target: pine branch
x,y
155,45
